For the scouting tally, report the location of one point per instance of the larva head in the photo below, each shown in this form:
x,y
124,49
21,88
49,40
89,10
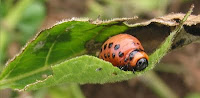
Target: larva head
x,y
138,60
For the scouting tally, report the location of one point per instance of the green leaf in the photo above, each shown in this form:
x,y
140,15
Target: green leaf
x,y
52,46
88,69
56,55
83,69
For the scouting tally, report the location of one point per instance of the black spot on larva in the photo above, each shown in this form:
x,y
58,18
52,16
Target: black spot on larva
x,y
110,45
116,46
132,54
121,54
108,55
113,55
137,43
101,50
105,56
137,50
105,46
102,58
140,49
130,58
126,59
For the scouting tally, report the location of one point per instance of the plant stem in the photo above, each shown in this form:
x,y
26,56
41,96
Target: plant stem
x,y
169,68
76,90
9,22
15,13
8,4
157,85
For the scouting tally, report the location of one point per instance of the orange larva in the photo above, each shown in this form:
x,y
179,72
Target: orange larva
x,y
124,51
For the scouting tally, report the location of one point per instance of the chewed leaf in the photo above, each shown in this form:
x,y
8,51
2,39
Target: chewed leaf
x,y
83,69
63,41
57,55
88,69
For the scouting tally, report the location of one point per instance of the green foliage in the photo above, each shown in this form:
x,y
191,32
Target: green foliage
x,y
65,91
120,8
19,21
83,69
2,10
48,59
193,95
51,46
31,19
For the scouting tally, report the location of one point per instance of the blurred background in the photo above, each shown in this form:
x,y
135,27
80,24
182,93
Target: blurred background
x,y
177,75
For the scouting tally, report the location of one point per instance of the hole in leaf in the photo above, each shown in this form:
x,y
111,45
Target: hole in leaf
x,y
114,73
98,69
